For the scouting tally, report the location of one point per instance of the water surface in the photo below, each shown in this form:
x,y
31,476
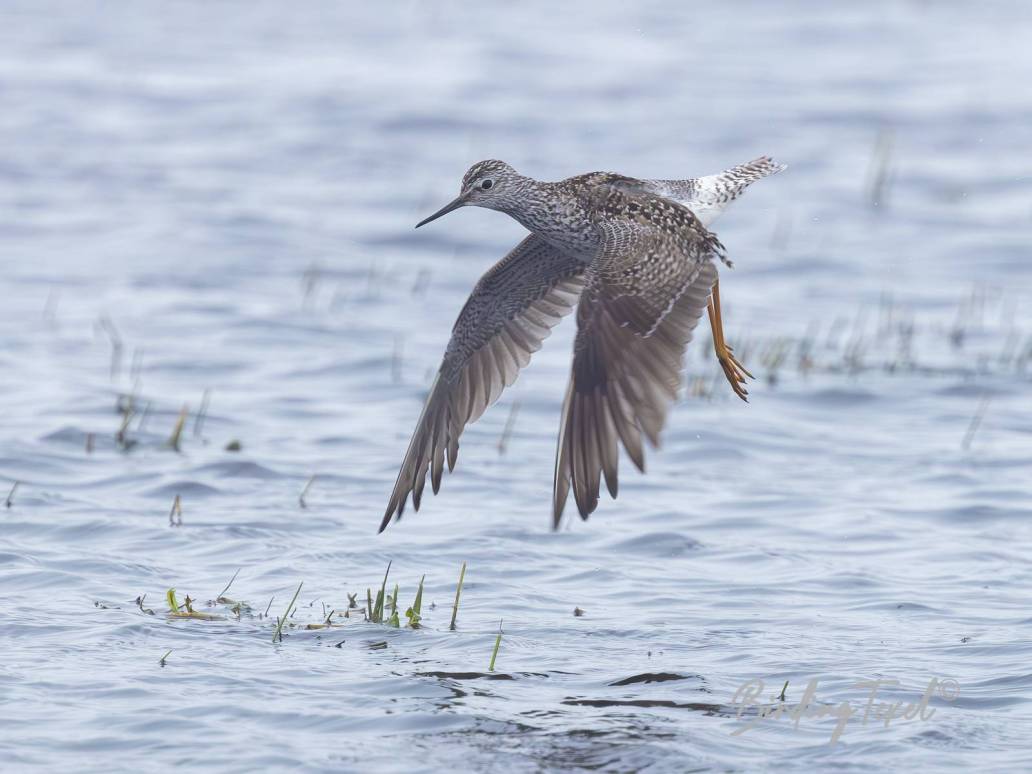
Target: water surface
x,y
218,199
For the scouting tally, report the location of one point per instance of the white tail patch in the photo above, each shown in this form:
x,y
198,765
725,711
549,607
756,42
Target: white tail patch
x,y
709,196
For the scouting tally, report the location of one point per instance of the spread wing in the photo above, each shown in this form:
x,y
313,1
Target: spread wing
x,y
512,309
645,293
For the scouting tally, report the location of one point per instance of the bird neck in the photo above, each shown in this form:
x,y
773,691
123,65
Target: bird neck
x,y
553,212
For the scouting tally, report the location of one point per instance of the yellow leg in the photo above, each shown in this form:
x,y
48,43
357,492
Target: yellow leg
x,y
733,370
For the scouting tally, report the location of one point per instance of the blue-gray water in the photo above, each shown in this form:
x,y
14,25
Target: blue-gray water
x,y
229,189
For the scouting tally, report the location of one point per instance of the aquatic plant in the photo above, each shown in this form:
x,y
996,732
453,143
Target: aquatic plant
x,y
494,653
278,635
383,610
458,593
177,430
186,610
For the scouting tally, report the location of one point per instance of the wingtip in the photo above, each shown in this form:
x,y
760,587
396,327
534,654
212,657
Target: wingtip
x,y
586,512
558,506
393,513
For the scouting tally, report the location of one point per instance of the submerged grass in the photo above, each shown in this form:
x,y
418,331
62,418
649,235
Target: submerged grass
x,y
186,610
498,644
301,497
202,413
510,425
278,635
393,620
414,613
458,593
976,422
222,594
384,610
376,609
177,430
175,516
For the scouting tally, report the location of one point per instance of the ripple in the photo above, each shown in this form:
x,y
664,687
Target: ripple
x,y
658,544
238,469
192,489
219,209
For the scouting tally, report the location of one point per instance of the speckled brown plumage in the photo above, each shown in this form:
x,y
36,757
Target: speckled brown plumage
x,y
645,292
511,310
640,252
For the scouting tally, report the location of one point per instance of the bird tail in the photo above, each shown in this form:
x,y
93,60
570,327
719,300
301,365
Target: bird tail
x,y
744,175
711,194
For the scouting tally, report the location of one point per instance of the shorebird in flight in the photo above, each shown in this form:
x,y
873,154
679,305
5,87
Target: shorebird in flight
x,y
635,258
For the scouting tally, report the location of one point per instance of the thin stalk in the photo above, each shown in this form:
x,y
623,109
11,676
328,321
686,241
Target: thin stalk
x,y
498,643
301,497
278,636
458,593
223,592
417,606
382,596
393,620
177,431
202,413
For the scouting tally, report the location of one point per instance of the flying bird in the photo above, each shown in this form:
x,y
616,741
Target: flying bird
x,y
637,261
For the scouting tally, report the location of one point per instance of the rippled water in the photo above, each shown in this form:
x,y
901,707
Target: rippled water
x,y
227,192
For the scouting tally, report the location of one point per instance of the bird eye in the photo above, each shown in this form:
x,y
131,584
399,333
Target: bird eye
x,y
487,184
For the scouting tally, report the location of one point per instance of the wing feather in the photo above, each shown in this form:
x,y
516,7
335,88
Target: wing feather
x,y
511,311
645,293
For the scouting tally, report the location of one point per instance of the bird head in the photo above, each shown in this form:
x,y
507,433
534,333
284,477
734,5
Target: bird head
x,y
492,184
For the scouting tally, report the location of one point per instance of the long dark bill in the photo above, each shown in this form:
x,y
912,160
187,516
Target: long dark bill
x,y
453,205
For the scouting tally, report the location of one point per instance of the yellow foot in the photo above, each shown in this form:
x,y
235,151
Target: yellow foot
x,y
735,372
